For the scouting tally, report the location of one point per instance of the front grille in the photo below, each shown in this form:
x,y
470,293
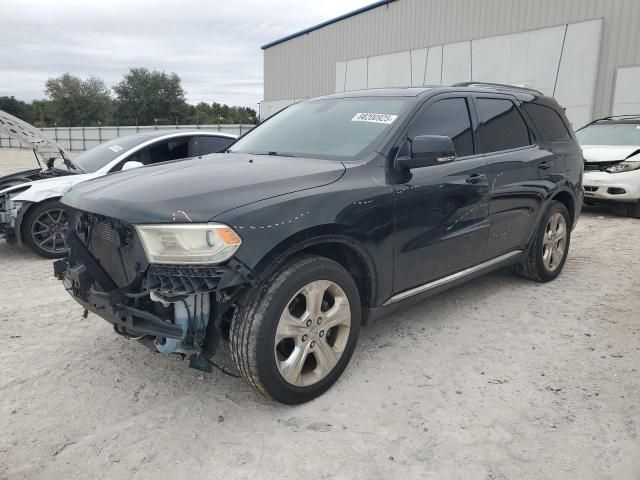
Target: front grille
x,y
111,243
183,280
599,166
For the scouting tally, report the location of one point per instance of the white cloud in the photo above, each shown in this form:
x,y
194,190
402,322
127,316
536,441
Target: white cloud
x,y
213,45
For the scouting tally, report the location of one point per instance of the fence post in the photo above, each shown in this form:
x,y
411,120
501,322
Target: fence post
x,y
99,132
55,132
70,141
84,146
240,129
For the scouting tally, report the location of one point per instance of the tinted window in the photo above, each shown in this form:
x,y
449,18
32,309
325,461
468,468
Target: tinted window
x,y
501,125
164,151
341,128
548,122
203,145
449,117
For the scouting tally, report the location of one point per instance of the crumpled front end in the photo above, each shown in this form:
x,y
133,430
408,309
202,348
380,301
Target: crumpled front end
x,y
10,214
170,308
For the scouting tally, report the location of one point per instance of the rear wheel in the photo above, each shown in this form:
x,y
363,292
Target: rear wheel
x,y
550,246
295,337
44,228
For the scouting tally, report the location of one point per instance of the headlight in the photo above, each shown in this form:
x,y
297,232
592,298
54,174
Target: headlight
x,y
188,243
623,167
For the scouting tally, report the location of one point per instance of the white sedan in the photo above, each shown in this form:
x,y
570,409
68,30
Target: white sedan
x,y
611,149
30,211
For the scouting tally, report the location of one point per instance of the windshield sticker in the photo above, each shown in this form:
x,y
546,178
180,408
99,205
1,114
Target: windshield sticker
x,y
385,118
116,148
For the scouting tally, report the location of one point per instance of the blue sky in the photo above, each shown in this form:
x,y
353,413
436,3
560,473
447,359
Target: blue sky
x,y
213,45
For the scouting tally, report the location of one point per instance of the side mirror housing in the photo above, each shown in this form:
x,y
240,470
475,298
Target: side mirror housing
x,y
131,164
428,150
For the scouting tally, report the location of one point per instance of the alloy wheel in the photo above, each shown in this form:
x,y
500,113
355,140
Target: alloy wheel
x,y
312,333
554,242
48,231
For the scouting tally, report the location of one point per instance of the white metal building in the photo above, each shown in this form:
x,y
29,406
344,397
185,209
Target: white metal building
x,y
586,53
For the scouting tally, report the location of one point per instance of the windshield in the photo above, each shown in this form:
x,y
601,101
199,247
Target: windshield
x,y
612,134
340,129
97,157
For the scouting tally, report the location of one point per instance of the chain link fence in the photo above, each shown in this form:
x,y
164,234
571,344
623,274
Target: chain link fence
x,y
83,138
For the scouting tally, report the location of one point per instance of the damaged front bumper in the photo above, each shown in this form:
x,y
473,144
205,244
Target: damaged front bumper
x,y
11,213
170,307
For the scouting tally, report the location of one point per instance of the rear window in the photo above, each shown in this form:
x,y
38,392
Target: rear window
x,y
548,122
501,125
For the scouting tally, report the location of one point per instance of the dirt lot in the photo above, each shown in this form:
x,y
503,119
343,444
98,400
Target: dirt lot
x,y
498,379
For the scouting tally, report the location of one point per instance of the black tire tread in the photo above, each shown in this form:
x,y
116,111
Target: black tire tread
x,y
248,317
531,266
633,210
26,226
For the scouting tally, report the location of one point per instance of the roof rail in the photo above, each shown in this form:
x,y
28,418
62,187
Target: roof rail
x,y
497,85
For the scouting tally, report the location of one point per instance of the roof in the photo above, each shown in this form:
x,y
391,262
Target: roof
x,y
174,131
477,87
631,119
378,92
328,22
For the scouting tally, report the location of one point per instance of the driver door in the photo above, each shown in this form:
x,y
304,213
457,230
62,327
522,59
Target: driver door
x,y
441,210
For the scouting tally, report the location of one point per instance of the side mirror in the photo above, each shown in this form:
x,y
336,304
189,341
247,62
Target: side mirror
x,y
428,150
131,164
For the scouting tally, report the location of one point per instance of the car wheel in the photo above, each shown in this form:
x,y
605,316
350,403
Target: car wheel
x,y
633,210
293,339
550,247
44,228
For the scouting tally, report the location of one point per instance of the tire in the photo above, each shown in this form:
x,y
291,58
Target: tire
x,y
34,229
633,210
266,362
538,266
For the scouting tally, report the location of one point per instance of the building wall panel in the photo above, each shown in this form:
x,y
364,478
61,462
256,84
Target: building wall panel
x,y
305,66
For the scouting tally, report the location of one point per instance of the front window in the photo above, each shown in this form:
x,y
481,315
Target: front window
x,y
95,158
620,134
341,129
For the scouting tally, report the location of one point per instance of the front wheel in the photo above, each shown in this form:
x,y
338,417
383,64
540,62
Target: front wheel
x,y
44,228
297,332
550,246
633,210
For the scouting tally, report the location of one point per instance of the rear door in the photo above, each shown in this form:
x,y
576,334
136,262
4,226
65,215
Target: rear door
x,y
520,172
441,210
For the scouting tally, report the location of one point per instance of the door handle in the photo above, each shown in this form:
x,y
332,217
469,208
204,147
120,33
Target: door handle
x,y
545,165
476,178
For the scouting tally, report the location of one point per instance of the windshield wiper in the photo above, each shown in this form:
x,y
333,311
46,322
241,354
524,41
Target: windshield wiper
x,y
272,153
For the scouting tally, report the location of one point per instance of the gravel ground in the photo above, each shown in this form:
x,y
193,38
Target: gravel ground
x,y
498,379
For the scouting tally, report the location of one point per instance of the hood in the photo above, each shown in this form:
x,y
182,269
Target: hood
x,y
45,189
608,153
198,190
29,135
29,176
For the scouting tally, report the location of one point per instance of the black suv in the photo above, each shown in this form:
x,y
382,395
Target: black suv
x,y
322,218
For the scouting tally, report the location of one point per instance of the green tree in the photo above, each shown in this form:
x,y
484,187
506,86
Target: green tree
x,y
43,115
144,96
17,108
77,102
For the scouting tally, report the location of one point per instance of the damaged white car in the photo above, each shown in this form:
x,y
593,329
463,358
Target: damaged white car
x,y
30,211
611,149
